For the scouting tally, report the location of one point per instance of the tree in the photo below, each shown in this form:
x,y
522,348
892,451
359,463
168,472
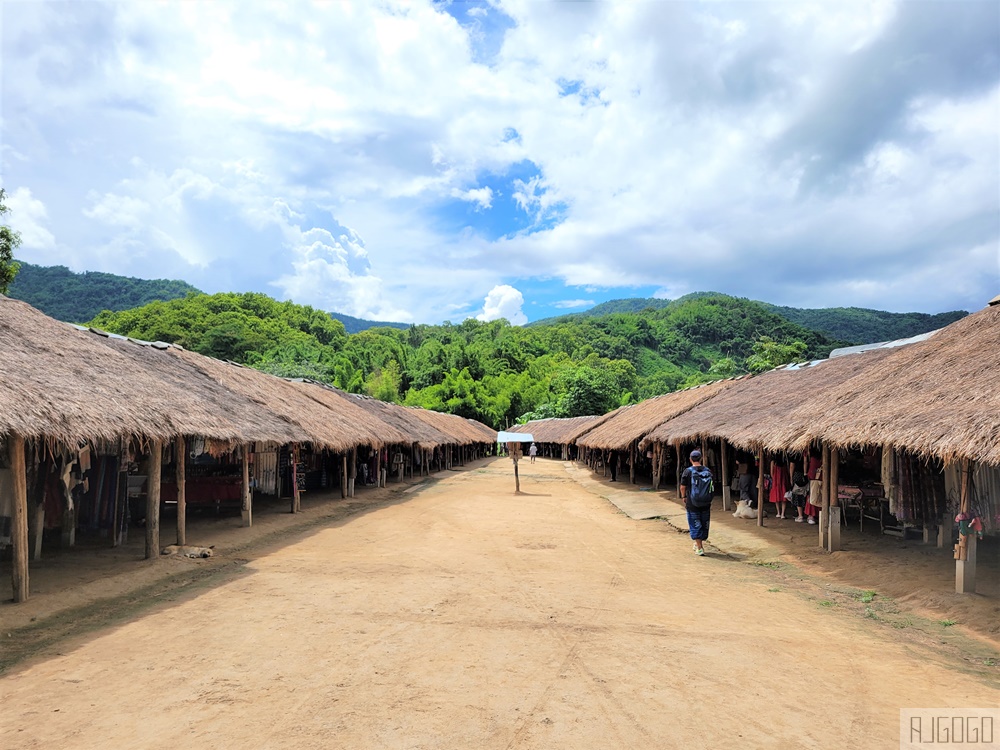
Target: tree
x,y
766,354
9,242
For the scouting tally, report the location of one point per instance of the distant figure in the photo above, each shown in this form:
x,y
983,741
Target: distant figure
x,y
696,491
613,465
532,452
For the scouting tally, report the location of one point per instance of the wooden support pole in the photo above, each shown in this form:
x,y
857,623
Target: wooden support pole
x,y
833,537
153,480
633,452
353,469
760,487
343,476
656,466
680,468
246,494
180,451
726,498
965,550
378,467
296,479
19,520
36,525
824,511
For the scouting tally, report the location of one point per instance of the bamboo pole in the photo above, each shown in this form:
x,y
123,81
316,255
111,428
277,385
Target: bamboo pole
x,y
760,487
677,478
180,451
246,506
726,498
19,521
153,480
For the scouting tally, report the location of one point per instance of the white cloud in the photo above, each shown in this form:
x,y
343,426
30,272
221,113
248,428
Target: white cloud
x,y
568,304
504,301
483,196
233,145
28,216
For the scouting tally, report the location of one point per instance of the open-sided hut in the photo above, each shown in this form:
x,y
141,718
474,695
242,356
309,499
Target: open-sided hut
x,y
934,404
556,436
624,429
465,436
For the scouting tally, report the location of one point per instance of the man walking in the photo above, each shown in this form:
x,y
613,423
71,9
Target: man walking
x,y
696,491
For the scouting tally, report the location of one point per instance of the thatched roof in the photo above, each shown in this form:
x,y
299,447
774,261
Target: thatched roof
x,y
460,429
483,432
559,430
328,420
634,422
765,411
415,430
937,398
67,384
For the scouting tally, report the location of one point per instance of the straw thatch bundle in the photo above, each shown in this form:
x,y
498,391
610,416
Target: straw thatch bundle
x,y
329,421
765,411
67,384
634,422
936,398
414,431
560,430
460,429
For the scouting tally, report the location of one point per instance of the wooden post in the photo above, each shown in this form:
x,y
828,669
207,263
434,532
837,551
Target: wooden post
x,y
343,475
726,498
120,535
824,496
246,507
760,487
632,454
378,467
833,538
296,494
180,451
965,550
353,469
153,479
19,520
677,478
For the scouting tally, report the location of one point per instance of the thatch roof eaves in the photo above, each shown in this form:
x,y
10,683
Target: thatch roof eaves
x,y
560,430
634,422
765,411
937,398
67,384
414,431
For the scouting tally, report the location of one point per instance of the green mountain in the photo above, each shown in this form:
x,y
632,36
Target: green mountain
x,y
491,371
863,326
78,297
356,325
850,325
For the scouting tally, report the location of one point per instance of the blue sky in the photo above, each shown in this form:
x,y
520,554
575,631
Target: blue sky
x,y
429,161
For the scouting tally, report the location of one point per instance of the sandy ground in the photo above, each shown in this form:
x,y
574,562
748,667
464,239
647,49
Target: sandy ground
x,y
454,614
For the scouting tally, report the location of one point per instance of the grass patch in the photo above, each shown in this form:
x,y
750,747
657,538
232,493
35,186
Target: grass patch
x,y
772,564
866,597
827,603
949,623
774,590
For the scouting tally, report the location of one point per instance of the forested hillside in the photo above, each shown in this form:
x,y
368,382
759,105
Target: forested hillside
x,y
492,371
863,326
854,325
78,297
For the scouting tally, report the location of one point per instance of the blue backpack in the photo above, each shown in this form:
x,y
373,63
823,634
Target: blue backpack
x,y
700,494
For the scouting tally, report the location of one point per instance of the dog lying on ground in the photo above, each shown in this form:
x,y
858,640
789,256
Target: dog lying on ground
x,y
743,510
187,551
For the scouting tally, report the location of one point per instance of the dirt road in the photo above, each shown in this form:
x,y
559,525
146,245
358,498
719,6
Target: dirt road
x,y
468,617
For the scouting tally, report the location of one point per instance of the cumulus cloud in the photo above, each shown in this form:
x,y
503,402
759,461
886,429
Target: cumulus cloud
x,y
821,154
504,301
28,217
568,304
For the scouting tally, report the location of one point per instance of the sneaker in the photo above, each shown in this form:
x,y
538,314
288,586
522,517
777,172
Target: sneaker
x,y
812,520
699,552
799,519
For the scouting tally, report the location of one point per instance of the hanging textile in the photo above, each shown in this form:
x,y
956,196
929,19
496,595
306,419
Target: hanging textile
x,y
986,496
922,496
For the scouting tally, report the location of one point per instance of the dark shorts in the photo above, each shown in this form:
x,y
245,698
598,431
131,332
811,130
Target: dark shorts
x,y
698,523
